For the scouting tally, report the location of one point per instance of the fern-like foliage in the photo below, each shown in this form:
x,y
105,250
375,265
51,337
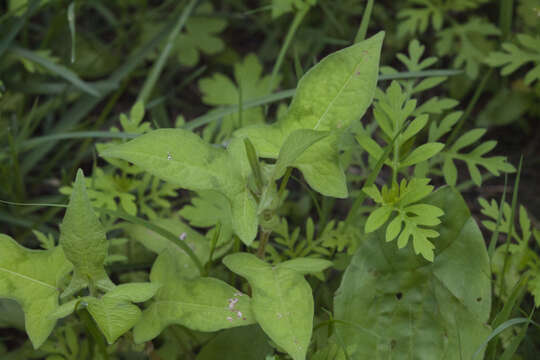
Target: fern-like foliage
x,y
413,218
468,43
474,158
523,261
515,56
418,14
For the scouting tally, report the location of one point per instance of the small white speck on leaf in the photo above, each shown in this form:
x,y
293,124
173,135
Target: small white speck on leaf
x,y
169,156
239,314
229,318
182,236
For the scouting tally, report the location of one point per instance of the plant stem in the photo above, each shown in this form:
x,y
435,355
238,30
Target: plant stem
x,y
153,77
265,235
298,17
284,182
510,228
366,16
506,12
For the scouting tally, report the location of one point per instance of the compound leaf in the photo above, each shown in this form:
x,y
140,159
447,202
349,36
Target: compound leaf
x,y
473,159
513,57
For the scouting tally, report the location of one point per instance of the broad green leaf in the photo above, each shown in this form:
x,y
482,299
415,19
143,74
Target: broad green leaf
x,y
134,292
331,96
282,301
84,241
306,266
245,343
32,278
338,90
294,146
401,306
202,304
114,312
158,244
244,213
183,158
113,316
322,169
208,209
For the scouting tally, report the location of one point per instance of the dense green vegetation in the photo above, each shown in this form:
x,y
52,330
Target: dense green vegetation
x,y
278,179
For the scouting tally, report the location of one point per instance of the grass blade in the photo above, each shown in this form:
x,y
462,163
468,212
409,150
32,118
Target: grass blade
x,y
59,70
362,30
152,78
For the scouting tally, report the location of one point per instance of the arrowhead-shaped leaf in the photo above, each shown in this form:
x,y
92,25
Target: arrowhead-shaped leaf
x,y
183,158
203,304
404,307
114,312
333,94
282,300
180,157
84,242
32,277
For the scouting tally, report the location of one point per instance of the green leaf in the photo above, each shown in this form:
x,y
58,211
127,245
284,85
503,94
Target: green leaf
x,y
179,157
245,220
134,292
468,43
200,36
84,241
412,218
294,146
158,244
377,218
306,266
183,158
202,304
475,158
513,57
422,153
219,90
403,307
246,343
113,316
417,19
282,301
331,96
32,278
208,209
